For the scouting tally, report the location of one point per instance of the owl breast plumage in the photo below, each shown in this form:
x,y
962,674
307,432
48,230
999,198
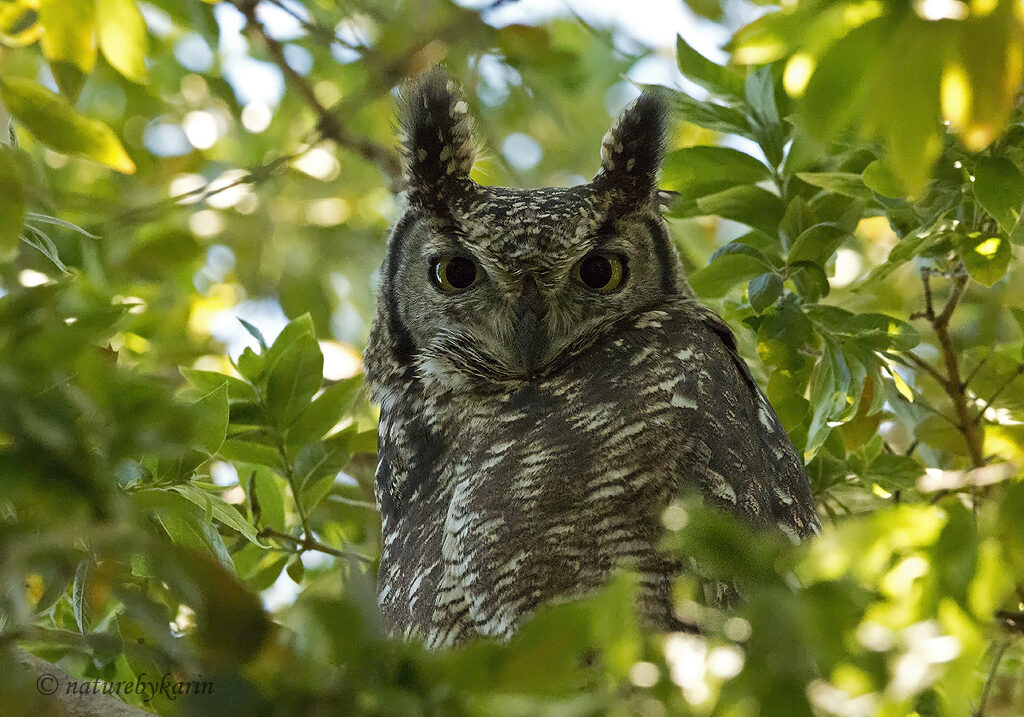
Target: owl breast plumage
x,y
548,384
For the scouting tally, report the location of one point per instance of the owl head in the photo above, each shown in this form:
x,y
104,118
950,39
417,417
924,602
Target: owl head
x,y
483,285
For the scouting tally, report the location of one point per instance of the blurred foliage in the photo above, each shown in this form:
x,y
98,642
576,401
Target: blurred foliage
x,y
848,190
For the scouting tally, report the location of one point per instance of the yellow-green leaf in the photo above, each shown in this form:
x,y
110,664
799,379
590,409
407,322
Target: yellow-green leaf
x,y
18,24
12,200
122,36
880,178
985,256
56,123
68,32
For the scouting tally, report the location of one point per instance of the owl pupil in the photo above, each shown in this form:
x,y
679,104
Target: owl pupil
x,y
596,271
460,272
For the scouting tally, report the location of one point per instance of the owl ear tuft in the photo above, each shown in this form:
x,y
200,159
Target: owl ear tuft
x,y
632,150
438,140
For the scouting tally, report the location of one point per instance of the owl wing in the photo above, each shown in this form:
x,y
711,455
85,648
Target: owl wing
x,y
733,446
565,479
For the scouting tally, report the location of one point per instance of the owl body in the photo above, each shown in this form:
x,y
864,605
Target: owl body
x,y
535,422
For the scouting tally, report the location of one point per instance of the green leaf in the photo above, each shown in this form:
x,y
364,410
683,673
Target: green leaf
x,y
206,381
728,269
839,87
710,115
817,244
943,434
35,238
323,458
828,393
242,451
999,188
759,91
184,522
296,570
324,413
1018,316
810,280
57,221
78,593
12,200
713,77
763,290
694,171
782,336
880,178
877,332
746,204
268,494
909,247
214,507
293,379
254,332
985,257
122,36
846,183
54,122
68,41
251,364
296,328
212,419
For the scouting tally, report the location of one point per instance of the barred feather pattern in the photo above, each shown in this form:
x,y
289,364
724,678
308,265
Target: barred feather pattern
x,y
537,492
504,487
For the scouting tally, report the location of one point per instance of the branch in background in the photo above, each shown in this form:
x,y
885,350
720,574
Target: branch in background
x,y
951,381
39,676
328,124
317,31
301,545
987,689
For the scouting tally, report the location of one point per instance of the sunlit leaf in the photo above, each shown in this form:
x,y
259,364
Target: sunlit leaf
x,y
122,37
68,41
985,256
50,118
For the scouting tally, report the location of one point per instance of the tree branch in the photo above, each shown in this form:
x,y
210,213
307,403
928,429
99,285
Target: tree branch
x,y
328,124
39,677
311,543
952,382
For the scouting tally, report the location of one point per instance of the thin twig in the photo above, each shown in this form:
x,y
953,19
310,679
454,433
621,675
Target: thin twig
x,y
927,367
987,689
974,371
316,30
311,543
999,391
328,123
952,382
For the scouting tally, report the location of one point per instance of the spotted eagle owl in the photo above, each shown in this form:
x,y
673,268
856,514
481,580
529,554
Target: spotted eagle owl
x,y
547,384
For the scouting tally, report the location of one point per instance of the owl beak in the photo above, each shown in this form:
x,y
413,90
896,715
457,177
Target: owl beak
x,y
527,340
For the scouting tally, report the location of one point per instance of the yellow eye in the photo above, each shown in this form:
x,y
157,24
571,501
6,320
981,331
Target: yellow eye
x,y
454,273
601,272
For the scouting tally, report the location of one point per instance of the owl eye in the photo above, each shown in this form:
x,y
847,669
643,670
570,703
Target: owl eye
x,y
601,272
454,273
